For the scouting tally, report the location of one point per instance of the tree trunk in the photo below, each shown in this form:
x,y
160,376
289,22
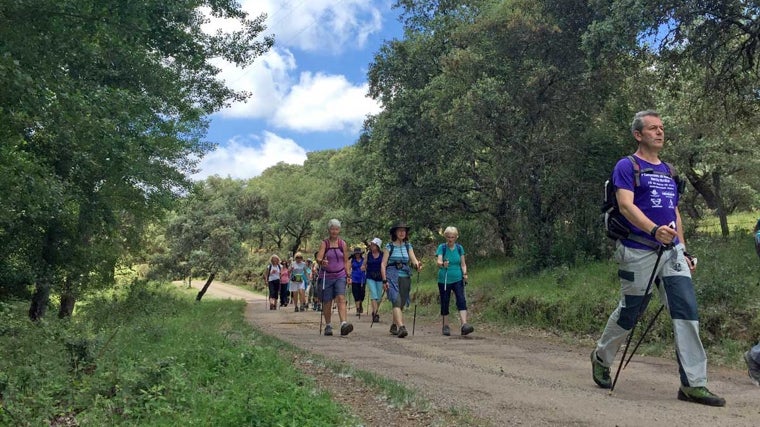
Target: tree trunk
x,y
703,188
67,299
205,287
40,299
721,209
43,282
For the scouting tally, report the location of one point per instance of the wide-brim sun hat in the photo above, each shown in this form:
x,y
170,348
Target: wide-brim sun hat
x,y
358,251
396,226
376,241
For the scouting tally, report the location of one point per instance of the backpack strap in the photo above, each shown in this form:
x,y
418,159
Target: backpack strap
x,y
458,246
390,251
636,170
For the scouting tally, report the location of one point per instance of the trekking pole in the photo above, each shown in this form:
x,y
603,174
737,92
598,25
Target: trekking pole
x,y
414,319
633,328
322,311
445,282
378,307
649,326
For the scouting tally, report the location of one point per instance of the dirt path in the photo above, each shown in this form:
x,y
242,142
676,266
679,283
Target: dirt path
x,y
510,379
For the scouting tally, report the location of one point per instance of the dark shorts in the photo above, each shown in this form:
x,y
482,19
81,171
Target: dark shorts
x,y
334,288
404,288
274,289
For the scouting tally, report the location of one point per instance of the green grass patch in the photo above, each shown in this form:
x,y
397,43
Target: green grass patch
x,y
151,356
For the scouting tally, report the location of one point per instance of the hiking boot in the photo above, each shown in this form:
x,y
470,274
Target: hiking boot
x,y
376,318
402,332
346,328
394,329
446,330
753,368
467,329
328,330
599,372
297,310
273,306
700,395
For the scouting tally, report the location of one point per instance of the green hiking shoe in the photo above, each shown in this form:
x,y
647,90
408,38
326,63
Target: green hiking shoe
x,y
700,395
599,372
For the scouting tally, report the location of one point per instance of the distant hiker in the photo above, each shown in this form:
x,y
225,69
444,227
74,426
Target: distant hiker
x,y
374,277
452,276
757,237
308,280
336,269
358,279
298,282
284,283
647,196
398,257
316,288
272,276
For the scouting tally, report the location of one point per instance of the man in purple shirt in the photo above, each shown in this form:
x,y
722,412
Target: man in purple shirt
x,y
647,197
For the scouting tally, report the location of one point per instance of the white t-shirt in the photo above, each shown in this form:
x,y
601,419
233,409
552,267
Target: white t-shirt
x,y
274,272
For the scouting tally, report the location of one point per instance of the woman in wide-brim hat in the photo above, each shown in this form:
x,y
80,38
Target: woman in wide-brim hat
x,y
398,258
358,281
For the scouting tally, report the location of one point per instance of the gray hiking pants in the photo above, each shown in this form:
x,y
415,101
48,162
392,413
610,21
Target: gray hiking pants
x,y
677,294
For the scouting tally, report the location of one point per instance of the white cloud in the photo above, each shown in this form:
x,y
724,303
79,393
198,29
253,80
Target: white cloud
x,y
268,80
322,102
319,25
243,159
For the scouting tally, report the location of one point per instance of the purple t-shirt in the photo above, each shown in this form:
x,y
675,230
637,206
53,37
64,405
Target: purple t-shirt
x,y
336,264
657,196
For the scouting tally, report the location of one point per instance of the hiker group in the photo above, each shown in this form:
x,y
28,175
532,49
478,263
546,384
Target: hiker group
x,y
386,270
641,215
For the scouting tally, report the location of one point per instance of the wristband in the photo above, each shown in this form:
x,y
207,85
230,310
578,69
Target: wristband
x,y
654,231
385,281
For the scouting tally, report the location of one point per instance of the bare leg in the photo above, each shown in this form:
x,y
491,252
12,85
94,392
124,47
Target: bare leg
x,y
463,316
342,307
398,317
327,310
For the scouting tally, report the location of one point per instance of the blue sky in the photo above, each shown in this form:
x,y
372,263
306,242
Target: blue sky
x,y
309,91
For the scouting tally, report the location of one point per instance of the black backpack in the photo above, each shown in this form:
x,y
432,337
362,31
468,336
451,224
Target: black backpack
x,y
614,226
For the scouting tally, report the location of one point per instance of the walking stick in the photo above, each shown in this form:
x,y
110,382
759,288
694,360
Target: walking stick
x,y
630,335
322,312
445,282
649,326
414,319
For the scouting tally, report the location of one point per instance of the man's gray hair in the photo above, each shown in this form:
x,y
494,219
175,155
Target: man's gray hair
x,y
333,223
638,122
